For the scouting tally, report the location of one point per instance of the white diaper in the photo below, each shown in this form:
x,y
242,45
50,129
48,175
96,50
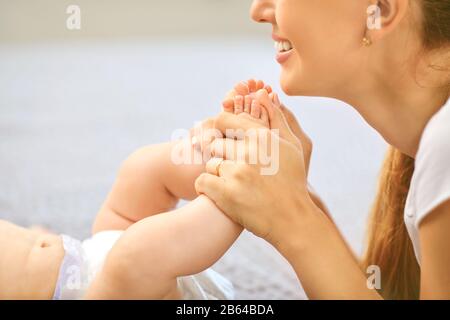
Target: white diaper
x,y
83,260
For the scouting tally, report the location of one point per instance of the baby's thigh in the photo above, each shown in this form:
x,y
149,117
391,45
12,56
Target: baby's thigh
x,y
134,270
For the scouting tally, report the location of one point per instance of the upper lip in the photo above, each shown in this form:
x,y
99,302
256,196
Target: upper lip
x,y
276,37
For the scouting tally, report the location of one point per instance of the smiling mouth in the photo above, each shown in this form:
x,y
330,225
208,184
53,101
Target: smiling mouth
x,y
283,46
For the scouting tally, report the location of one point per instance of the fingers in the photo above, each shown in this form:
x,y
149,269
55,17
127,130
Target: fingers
x,y
228,149
211,186
213,166
278,121
228,121
264,98
219,166
276,100
265,116
203,134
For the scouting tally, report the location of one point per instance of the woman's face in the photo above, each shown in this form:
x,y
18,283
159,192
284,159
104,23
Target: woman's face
x,y
326,41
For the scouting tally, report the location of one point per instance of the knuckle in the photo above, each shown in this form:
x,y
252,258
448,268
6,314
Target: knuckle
x,y
200,181
240,171
237,173
227,194
210,151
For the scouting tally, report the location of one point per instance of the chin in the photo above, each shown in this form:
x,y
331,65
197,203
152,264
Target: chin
x,y
289,85
295,84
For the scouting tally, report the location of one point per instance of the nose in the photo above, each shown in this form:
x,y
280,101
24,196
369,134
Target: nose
x,y
263,11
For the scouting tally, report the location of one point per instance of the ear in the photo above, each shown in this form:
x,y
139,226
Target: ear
x,y
384,16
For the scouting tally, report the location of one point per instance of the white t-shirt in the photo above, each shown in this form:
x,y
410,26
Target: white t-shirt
x,y
430,184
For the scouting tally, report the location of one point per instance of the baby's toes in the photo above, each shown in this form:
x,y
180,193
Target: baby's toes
x,y
255,111
259,85
251,83
242,88
247,104
228,105
238,104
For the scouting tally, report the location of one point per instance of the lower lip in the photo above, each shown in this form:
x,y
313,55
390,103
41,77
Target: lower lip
x,y
282,57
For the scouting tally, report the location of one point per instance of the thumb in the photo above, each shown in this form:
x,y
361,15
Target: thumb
x,y
212,186
229,121
279,122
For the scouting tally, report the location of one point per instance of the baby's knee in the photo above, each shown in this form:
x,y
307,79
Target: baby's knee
x,y
138,161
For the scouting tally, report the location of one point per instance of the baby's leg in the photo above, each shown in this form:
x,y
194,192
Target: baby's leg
x,y
149,182
152,253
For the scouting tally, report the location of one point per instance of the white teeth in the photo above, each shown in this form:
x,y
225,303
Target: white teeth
x,y
287,46
282,46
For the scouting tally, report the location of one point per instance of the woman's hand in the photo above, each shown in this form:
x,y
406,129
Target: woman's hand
x,y
279,209
202,136
250,87
266,205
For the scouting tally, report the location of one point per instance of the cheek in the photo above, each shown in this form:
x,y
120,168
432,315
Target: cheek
x,y
315,28
323,35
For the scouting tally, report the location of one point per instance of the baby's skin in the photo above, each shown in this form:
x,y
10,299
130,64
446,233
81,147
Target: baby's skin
x,y
29,262
159,243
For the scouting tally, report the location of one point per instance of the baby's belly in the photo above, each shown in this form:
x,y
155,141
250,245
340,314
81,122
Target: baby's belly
x,y
29,262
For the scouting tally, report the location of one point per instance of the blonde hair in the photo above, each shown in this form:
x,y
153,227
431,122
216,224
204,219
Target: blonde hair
x,y
389,245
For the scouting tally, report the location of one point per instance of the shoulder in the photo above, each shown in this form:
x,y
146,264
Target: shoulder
x,y
430,185
435,139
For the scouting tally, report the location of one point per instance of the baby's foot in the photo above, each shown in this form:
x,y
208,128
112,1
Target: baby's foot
x,y
257,99
249,87
277,120
242,100
252,107
265,109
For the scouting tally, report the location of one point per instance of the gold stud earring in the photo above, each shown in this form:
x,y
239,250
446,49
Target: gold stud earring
x,y
366,42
